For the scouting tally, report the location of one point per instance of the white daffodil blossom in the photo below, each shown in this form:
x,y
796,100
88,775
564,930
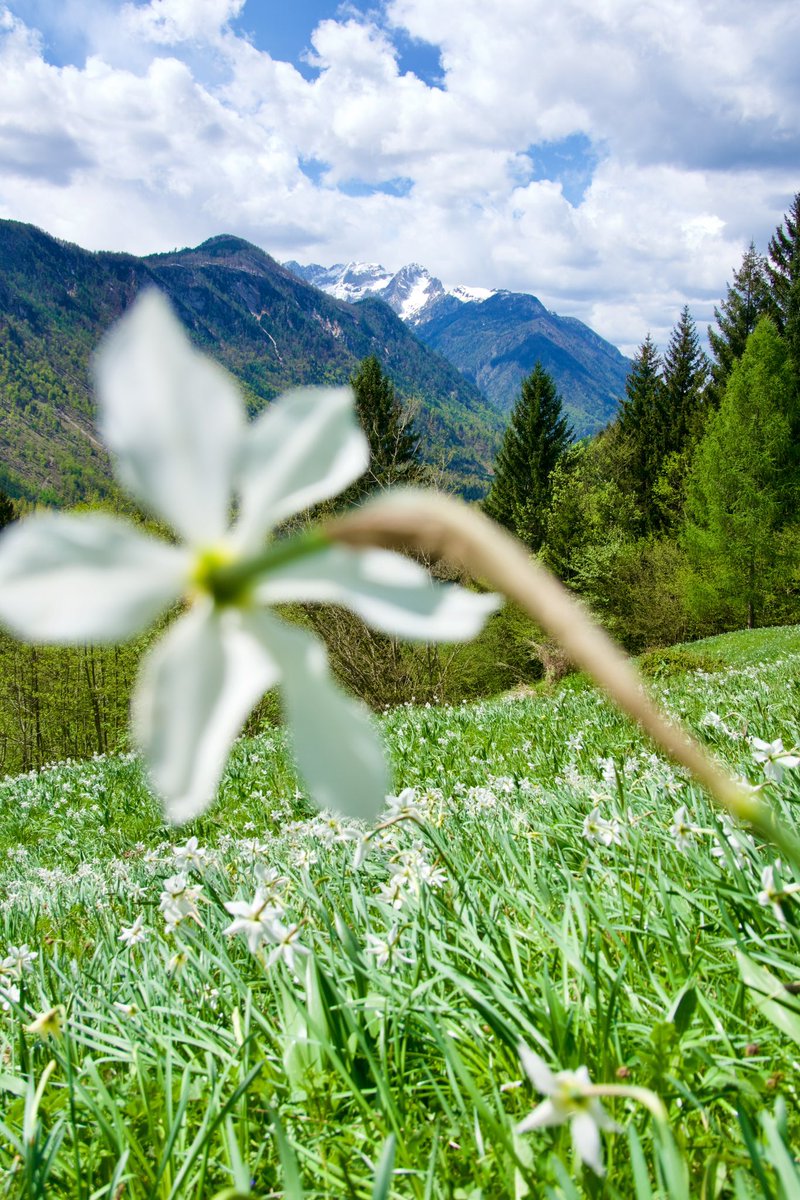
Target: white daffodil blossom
x,y
571,1096
773,758
175,425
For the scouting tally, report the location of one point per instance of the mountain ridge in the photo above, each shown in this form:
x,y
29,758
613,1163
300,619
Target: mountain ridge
x,y
493,336
271,330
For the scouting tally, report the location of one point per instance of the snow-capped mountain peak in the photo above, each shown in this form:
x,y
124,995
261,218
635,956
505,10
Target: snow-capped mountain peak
x,y
411,292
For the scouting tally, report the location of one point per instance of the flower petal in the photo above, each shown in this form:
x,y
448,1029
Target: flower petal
x,y
307,447
543,1115
173,418
85,578
586,1140
389,591
195,690
537,1070
337,749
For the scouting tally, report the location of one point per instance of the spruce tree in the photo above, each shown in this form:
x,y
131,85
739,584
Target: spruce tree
x,y
783,271
742,487
7,511
746,300
537,436
642,418
393,441
685,376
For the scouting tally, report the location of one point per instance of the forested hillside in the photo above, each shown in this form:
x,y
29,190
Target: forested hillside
x,y
267,327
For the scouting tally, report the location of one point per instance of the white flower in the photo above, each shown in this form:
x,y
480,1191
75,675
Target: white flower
x,y
191,856
18,960
774,758
598,829
569,1098
133,934
287,948
256,919
680,829
175,424
9,994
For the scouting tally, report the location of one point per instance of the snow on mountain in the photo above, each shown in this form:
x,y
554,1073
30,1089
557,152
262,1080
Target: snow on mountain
x,y
411,292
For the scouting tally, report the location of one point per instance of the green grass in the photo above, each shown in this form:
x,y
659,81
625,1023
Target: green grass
x,y
188,1066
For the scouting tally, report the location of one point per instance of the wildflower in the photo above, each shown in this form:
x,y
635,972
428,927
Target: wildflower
x,y
18,961
175,424
570,1097
287,949
774,759
385,950
9,994
178,901
256,919
47,1024
133,934
681,831
771,895
598,829
190,856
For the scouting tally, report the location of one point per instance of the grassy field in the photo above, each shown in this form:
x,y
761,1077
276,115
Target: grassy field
x,y
357,1032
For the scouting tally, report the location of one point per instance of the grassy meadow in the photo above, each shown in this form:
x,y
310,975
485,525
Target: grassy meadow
x,y
529,884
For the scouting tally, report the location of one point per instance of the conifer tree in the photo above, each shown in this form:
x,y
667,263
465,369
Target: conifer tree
x,y
7,511
743,485
642,419
393,441
685,378
536,437
783,270
746,300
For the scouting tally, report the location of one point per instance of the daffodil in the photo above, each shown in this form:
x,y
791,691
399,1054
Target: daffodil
x,y
182,447
570,1097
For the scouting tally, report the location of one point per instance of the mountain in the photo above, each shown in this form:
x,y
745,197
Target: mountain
x,y
494,338
269,328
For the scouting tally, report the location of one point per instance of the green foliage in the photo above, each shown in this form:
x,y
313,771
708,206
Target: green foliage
x,y
743,487
271,330
7,511
537,436
746,301
642,426
394,444
671,662
685,376
189,1068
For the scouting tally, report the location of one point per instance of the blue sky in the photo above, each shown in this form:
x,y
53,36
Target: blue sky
x,y
615,160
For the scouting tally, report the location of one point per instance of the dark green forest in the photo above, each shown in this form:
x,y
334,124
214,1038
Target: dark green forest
x,y
676,521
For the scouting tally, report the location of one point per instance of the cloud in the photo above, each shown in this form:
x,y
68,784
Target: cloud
x,y
669,130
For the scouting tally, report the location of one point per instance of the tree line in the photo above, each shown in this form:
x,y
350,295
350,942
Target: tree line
x,y
680,519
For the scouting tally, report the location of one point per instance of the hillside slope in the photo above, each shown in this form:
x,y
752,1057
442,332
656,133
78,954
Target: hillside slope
x,y
271,330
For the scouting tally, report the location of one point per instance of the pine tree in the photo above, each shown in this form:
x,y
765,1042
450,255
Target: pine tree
x,y
7,511
393,442
783,271
746,301
685,377
537,436
742,487
641,420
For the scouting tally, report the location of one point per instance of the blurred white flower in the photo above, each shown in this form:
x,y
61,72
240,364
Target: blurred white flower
x,y
570,1097
598,829
18,960
176,427
774,759
133,934
681,830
